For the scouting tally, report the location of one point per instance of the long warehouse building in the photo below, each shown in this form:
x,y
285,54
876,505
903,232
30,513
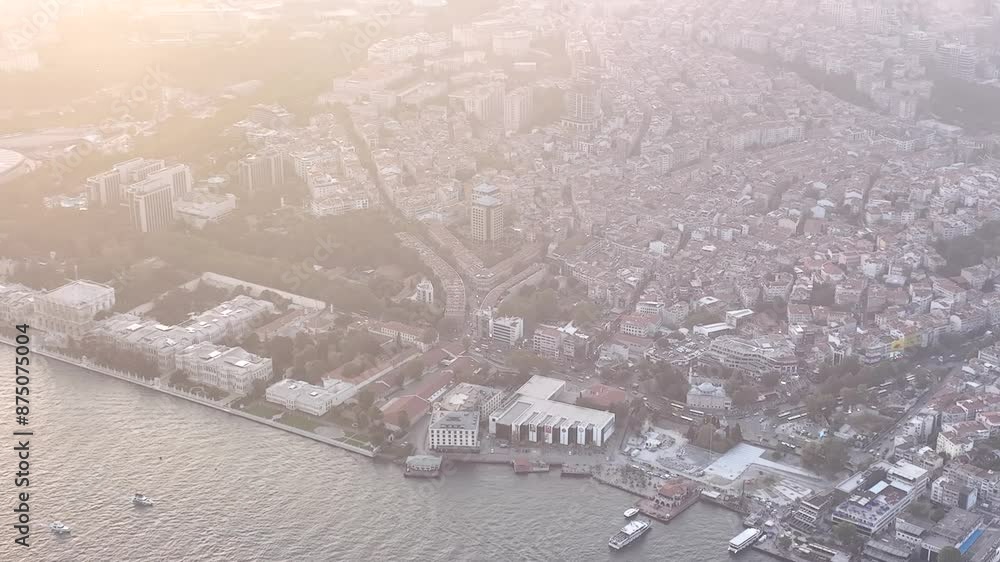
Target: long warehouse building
x,y
533,418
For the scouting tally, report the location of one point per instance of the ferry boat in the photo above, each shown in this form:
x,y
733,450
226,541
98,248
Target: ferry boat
x,y
631,512
744,540
58,528
142,500
629,534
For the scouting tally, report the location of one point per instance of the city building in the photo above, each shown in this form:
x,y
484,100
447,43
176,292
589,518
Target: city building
x,y
471,397
198,208
151,204
17,304
756,356
110,188
508,330
454,431
425,292
878,496
262,170
308,398
232,369
708,395
486,214
69,310
531,416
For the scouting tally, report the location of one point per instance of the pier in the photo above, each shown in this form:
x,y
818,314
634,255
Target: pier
x,y
154,384
525,466
663,513
576,470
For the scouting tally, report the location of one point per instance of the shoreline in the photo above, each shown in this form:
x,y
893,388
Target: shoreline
x,y
143,382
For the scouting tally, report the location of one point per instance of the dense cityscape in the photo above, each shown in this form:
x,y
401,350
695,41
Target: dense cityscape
x,y
740,253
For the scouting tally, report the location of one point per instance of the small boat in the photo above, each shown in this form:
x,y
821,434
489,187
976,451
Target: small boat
x,y
142,500
58,528
631,512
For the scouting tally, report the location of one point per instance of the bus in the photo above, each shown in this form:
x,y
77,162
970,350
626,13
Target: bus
x,y
796,417
910,377
886,384
677,405
697,412
785,414
882,392
687,419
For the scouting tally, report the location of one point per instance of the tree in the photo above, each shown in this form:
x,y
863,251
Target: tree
x,y
412,369
429,336
365,399
845,533
949,554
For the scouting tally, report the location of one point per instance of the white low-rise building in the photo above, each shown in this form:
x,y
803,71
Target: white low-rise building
x,y
450,431
708,395
232,369
308,398
471,397
69,310
198,208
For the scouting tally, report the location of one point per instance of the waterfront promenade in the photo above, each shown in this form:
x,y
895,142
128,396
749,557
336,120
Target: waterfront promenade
x,y
154,384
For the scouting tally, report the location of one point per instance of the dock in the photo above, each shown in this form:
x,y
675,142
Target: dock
x,y
525,466
576,470
663,513
422,466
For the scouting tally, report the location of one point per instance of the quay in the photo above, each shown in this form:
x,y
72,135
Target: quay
x,y
525,466
154,384
576,470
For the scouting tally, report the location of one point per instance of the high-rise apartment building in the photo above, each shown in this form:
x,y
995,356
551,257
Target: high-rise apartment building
x,y
151,204
486,212
261,171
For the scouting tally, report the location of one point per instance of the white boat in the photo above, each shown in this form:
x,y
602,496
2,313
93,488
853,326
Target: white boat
x,y
744,540
142,500
59,528
631,512
629,534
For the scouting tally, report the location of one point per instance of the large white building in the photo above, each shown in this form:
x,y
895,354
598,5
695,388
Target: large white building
x,y
708,395
453,431
532,416
308,398
17,304
878,495
471,397
69,310
110,187
261,171
758,356
151,205
198,208
508,330
518,108
232,369
486,214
